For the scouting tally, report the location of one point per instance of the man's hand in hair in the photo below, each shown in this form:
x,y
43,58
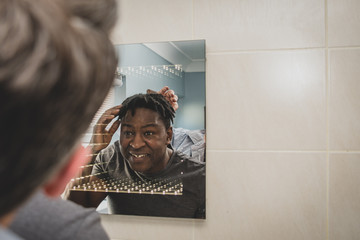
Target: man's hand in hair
x,y
169,94
101,136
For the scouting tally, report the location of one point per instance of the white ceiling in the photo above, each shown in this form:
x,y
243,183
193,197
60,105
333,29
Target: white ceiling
x,y
190,54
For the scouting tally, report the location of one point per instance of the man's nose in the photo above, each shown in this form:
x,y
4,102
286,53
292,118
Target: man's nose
x,y
137,141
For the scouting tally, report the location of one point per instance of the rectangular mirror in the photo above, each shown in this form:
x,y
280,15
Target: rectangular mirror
x,y
146,167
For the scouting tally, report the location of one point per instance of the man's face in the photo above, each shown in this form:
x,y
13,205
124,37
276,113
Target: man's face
x,y
144,139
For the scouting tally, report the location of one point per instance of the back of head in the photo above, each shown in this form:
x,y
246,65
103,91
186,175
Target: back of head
x,y
100,14
56,67
155,102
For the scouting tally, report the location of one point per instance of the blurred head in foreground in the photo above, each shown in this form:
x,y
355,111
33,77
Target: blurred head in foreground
x,y
56,67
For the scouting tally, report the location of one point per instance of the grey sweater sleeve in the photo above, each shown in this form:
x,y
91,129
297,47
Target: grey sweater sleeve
x,y
43,218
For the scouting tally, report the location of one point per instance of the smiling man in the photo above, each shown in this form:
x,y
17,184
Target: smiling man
x,y
140,174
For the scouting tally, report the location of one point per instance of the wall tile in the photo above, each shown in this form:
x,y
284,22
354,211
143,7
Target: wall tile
x,y
273,100
135,227
266,100
265,196
344,206
261,24
344,100
343,22
156,20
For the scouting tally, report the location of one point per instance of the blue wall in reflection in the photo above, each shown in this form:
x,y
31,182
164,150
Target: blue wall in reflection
x,y
144,69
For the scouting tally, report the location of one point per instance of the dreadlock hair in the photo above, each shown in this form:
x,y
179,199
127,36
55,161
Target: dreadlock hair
x,y
155,102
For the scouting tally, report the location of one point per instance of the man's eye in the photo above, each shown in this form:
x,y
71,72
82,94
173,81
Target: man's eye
x,y
148,133
128,133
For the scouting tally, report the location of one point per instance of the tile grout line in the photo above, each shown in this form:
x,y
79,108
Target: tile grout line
x,y
327,85
343,47
239,51
282,151
192,20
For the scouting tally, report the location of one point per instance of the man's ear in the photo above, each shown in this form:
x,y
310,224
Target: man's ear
x,y
169,133
56,186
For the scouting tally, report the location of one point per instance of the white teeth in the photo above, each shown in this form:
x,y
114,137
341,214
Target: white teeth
x,y
138,155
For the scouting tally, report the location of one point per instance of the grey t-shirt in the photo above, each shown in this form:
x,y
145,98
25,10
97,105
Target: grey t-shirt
x,y
42,218
184,172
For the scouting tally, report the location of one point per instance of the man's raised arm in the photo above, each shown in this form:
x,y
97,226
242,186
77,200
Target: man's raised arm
x,y
100,139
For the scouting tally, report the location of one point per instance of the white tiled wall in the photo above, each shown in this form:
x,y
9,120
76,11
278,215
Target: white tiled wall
x,y
283,116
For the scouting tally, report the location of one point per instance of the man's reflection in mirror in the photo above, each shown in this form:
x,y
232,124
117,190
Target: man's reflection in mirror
x,y
160,180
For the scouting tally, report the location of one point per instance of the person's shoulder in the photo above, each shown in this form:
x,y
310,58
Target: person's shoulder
x,y
61,218
188,161
112,147
191,171
111,151
63,209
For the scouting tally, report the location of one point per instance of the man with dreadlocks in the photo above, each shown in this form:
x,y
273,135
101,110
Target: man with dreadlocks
x,y
161,181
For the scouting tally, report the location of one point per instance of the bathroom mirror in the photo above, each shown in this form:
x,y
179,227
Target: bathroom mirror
x,y
112,182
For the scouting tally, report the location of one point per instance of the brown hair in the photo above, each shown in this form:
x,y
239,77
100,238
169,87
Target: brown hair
x,y
56,67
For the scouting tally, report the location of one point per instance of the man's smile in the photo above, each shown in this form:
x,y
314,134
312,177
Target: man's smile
x,y
138,155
